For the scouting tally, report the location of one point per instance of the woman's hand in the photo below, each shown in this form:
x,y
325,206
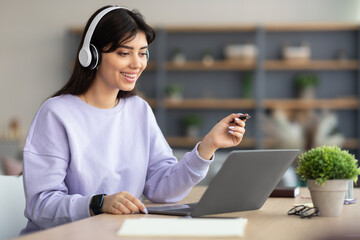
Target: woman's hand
x,y
226,133
122,203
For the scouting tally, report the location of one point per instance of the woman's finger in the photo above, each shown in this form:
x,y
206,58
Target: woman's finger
x,y
236,134
137,204
237,129
124,209
114,210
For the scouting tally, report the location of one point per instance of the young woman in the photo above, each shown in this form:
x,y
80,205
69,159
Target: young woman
x,y
95,147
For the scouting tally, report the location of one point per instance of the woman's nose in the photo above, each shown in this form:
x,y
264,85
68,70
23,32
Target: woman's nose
x,y
135,62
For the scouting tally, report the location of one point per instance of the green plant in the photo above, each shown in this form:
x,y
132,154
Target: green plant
x,y
306,80
327,162
192,120
173,89
247,85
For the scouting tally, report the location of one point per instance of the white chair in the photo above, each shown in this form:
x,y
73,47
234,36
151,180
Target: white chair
x,y
12,206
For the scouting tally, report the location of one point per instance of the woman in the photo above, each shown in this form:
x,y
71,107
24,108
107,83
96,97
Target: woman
x,y
95,147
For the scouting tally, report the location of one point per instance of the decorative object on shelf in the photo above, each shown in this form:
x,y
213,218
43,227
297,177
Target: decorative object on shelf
x,y
192,123
14,132
207,58
283,132
306,85
247,85
297,54
179,57
245,53
174,92
326,130
303,129
341,55
327,170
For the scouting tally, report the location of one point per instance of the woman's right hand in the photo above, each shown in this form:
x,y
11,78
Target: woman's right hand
x,y
122,203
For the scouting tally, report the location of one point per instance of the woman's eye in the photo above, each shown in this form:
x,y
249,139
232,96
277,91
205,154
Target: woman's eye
x,y
123,53
144,54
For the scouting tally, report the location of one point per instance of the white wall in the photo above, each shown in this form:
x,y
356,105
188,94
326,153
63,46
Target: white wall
x,y
35,48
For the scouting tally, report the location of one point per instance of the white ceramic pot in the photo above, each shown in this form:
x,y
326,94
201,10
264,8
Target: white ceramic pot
x,y
307,93
192,131
329,198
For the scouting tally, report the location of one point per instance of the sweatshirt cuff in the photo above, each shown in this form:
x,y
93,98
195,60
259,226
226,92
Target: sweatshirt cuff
x,y
82,206
197,163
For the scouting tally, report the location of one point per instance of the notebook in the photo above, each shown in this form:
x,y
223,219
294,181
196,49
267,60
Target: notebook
x,y
183,227
244,182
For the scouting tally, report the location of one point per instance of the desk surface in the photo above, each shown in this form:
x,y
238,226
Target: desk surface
x,y
269,222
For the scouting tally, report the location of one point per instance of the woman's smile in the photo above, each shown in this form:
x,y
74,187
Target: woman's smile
x,y
130,77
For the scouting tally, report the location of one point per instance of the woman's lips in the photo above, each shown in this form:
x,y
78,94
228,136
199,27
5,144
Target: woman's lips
x,y
130,77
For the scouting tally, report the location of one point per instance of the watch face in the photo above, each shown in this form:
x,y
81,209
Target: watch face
x,y
97,201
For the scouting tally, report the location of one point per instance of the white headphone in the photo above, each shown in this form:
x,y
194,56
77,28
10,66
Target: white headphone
x,y
88,55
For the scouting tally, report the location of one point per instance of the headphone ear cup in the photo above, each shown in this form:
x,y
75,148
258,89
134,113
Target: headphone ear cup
x,y
95,57
147,54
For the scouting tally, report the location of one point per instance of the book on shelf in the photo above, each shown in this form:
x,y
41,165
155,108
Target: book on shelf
x,y
289,192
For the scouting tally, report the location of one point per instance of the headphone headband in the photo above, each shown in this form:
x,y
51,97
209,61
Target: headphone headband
x,y
85,56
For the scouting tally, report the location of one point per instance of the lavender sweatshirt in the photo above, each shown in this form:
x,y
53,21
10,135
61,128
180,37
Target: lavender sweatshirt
x,y
74,151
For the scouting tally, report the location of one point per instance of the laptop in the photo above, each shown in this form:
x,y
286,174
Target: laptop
x,y
244,182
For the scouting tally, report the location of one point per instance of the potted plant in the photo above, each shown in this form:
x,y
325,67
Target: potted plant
x,y
327,170
174,91
192,123
207,58
306,85
179,57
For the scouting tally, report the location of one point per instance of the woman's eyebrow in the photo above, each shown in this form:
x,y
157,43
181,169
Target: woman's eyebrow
x,y
131,48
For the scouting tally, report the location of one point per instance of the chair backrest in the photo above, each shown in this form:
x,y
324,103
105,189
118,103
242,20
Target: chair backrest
x,y
12,206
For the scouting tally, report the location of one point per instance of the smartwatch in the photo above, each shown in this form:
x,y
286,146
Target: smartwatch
x,y
96,203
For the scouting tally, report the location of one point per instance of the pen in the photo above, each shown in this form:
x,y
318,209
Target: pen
x,y
242,117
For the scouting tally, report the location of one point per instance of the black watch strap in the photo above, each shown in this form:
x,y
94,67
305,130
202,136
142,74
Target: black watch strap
x,y
96,203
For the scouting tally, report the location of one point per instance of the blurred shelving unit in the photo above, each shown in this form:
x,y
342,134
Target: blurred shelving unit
x,y
216,90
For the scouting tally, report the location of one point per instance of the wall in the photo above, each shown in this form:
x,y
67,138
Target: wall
x,y
36,48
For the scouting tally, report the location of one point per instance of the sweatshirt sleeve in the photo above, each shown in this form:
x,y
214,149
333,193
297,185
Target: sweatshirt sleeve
x,y
167,179
46,159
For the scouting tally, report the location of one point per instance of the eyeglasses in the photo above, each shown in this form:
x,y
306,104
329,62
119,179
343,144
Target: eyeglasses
x,y
304,211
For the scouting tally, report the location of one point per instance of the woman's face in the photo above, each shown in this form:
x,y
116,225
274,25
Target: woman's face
x,y
121,68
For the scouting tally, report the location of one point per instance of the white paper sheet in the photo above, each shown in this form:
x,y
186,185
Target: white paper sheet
x,y
201,227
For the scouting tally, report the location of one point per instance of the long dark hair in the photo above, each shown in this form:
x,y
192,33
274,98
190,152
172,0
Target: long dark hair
x,y
116,27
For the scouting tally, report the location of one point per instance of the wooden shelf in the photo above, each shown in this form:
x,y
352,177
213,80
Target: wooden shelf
x,y
287,104
217,65
312,65
208,28
151,66
226,65
271,27
304,104
351,143
312,27
151,102
269,65
210,104
205,103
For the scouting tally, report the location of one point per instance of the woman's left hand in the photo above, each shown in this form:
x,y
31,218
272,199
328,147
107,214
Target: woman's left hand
x,y
227,133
